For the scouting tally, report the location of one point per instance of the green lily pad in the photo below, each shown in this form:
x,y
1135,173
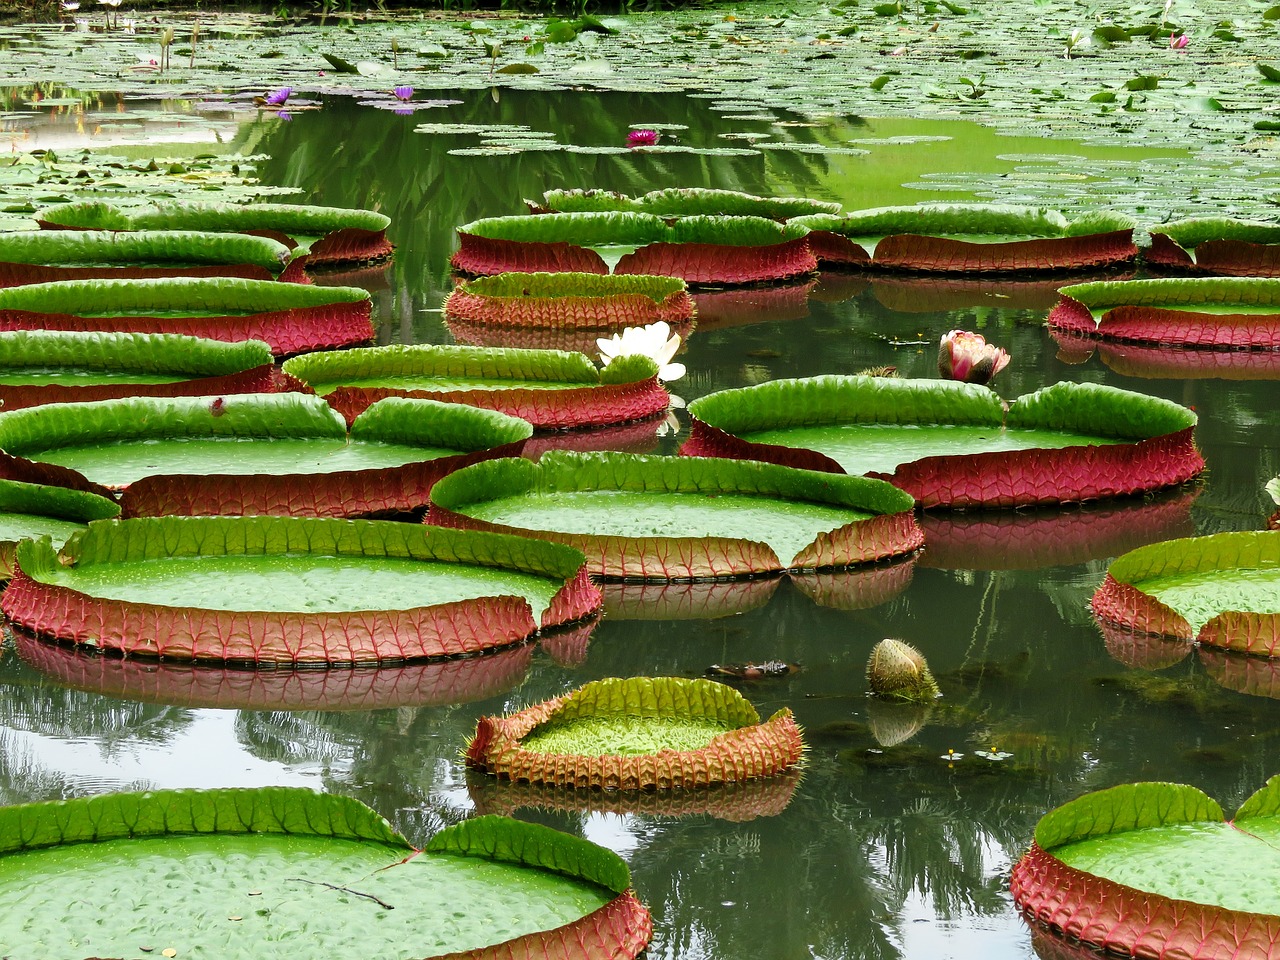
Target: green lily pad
x,y
29,511
684,202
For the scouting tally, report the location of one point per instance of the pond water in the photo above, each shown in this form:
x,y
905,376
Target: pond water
x,y
879,851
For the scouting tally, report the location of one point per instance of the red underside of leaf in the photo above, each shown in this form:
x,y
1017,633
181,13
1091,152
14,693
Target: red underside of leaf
x,y
939,255
21,274
568,646
1129,922
263,379
835,250
1163,252
1256,633
582,340
761,750
1255,676
567,409
738,802
287,332
484,256
878,538
435,683
1127,606
718,309
1144,651
352,494
349,245
1170,363
1179,328
1232,258
708,441
603,313
1015,541
936,295
30,471
721,263
700,600
641,437
620,930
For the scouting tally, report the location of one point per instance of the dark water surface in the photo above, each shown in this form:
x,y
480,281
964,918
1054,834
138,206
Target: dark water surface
x,y
881,851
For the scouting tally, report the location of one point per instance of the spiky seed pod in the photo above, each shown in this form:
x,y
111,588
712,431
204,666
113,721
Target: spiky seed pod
x,y
898,671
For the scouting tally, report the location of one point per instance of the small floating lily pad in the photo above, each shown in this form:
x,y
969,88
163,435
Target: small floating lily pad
x,y
289,317
640,733
699,250
30,510
1216,313
1217,245
1222,590
1153,869
971,238
324,234
290,590
282,872
553,390
952,444
256,453
665,518
682,202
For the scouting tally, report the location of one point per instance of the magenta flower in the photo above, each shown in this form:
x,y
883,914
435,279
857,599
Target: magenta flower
x,y
278,98
403,93
967,357
1179,42
642,138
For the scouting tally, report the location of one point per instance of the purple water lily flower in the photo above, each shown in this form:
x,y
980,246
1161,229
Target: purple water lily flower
x,y
403,93
278,98
642,138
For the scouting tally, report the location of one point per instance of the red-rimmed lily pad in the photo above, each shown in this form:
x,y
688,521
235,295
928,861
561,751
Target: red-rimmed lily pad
x,y
1217,245
30,510
638,733
551,389
971,238
283,872
699,250
324,234
44,256
1221,590
48,366
670,518
1213,313
243,454
290,590
1154,870
681,202
953,444
290,317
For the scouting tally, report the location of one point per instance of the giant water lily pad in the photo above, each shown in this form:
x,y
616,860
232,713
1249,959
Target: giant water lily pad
x,y
324,234
43,256
665,518
29,510
971,238
1217,245
1222,313
289,317
290,590
714,250
254,453
681,202
639,733
1154,870
1222,590
46,366
553,390
282,872
952,444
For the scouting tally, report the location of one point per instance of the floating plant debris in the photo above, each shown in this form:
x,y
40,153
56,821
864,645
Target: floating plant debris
x,y
287,590
665,518
950,444
237,868
640,733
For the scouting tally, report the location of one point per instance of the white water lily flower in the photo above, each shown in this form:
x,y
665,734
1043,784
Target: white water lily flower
x,y
1273,488
653,340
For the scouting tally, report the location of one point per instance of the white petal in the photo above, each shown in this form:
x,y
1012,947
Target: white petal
x,y
671,371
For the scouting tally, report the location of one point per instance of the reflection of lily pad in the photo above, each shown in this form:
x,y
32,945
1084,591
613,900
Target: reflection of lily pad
x,y
285,872
715,250
1224,313
1217,245
971,238
42,366
1222,591
29,510
953,444
1162,362
640,733
1152,869
289,317
665,518
256,453
682,202
286,590
735,307
550,389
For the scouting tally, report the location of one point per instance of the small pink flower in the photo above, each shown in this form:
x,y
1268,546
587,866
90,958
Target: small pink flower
x,y
319,73
967,357
1179,42
642,138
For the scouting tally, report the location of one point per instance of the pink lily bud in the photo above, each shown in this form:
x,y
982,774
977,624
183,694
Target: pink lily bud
x,y
1179,42
967,357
